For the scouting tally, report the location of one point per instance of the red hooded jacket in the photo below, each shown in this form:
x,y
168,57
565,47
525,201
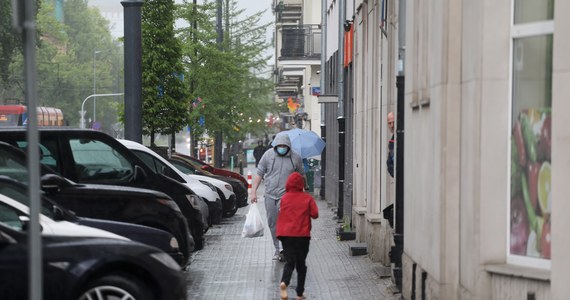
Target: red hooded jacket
x,y
297,209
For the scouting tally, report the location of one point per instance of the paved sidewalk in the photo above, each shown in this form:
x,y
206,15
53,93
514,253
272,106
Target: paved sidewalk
x,y
232,267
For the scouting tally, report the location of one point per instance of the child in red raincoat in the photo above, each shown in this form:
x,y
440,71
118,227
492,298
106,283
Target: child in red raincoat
x,y
294,231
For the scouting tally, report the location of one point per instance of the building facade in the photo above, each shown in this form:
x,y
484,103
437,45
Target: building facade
x,y
298,62
486,149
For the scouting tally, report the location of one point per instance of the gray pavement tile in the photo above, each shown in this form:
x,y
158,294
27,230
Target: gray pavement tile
x,y
232,267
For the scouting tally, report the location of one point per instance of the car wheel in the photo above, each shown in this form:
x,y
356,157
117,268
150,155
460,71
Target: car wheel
x,y
116,287
198,234
216,217
230,213
199,243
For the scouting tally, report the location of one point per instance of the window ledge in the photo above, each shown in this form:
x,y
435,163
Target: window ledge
x,y
373,218
519,271
359,210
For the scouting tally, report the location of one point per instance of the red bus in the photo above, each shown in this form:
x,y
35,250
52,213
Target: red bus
x,y
17,115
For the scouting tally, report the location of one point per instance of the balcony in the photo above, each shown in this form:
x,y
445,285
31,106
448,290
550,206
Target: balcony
x,y
301,42
288,12
288,81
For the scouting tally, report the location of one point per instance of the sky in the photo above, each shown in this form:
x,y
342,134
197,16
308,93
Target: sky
x,y
112,10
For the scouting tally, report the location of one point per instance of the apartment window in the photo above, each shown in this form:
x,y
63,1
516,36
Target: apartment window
x,y
531,102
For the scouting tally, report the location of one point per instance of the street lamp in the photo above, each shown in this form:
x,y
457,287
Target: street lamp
x,y
82,111
94,83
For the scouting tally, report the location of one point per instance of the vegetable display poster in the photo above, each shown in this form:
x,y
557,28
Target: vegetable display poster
x,y
530,184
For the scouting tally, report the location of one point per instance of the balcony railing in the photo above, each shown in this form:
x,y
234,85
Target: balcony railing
x,y
300,42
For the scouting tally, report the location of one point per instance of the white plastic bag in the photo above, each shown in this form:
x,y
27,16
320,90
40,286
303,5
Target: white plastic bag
x,y
253,226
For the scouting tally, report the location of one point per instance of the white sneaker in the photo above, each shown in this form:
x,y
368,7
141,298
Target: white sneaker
x,y
276,256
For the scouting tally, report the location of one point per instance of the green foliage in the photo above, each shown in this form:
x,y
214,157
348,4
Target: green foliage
x,y
10,42
346,224
66,61
165,102
227,79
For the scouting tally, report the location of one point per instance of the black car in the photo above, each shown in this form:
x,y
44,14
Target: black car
x,y
189,167
89,156
88,268
160,239
146,207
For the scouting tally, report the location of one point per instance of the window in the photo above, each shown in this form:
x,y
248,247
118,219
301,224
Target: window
x,y
183,167
531,102
97,162
12,167
10,217
48,152
158,166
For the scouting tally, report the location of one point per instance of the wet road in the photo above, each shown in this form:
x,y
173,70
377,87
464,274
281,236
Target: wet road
x,y
232,267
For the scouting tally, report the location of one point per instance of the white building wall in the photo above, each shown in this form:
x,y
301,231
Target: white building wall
x,y
431,169
458,154
560,288
374,96
332,28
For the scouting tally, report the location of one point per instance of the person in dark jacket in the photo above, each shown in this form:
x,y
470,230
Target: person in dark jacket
x,y
294,231
390,159
258,152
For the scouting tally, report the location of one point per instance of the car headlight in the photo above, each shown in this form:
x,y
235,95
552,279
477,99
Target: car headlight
x,y
211,186
174,244
166,260
229,187
192,199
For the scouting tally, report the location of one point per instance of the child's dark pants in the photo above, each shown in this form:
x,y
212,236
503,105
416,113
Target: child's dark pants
x,y
295,250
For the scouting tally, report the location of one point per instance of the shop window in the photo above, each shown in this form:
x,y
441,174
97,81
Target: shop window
x,y
530,196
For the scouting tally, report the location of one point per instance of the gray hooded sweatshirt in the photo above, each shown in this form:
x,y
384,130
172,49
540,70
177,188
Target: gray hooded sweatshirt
x,y
275,169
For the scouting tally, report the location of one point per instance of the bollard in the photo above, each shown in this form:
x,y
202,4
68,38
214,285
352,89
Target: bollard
x,y
249,180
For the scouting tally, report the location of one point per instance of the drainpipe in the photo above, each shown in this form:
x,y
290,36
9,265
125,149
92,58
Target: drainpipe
x,y
341,117
400,108
323,91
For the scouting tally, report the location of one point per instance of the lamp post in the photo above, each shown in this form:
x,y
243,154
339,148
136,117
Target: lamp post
x,y
82,111
94,84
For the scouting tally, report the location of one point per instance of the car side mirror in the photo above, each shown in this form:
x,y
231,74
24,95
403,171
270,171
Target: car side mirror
x,y
58,214
140,174
26,223
52,183
206,168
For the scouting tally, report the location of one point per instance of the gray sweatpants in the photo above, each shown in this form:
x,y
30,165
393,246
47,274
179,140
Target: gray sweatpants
x,y
272,209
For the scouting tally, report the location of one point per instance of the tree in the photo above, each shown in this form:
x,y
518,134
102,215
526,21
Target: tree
x,y
165,102
11,43
65,60
228,81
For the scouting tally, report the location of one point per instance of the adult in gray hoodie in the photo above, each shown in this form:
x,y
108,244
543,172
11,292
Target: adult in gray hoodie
x,y
274,168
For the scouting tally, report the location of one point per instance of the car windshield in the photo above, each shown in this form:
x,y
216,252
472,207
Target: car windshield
x,y
189,168
21,196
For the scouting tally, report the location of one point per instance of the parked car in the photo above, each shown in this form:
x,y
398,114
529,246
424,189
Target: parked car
x,y
87,268
93,157
162,165
15,214
118,203
187,166
160,239
207,195
214,170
